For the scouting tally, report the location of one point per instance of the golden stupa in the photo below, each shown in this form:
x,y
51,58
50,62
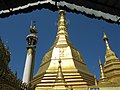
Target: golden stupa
x,y
62,67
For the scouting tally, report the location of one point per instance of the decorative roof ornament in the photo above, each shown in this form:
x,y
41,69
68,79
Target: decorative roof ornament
x,y
60,74
4,51
96,83
109,53
105,38
62,23
102,76
60,78
32,37
33,27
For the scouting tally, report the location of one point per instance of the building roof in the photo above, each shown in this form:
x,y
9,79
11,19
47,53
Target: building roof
x,y
7,78
62,66
109,10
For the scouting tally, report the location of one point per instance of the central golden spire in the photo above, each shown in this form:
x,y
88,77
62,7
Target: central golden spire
x,y
70,72
62,39
62,23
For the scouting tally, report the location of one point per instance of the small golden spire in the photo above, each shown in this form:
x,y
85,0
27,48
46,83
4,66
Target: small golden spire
x,y
105,38
61,11
60,78
100,63
102,76
62,23
60,74
96,83
62,20
33,27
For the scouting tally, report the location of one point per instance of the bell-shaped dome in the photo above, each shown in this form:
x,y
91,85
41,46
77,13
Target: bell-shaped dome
x,y
72,64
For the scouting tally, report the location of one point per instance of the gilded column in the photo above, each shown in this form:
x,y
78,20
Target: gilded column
x,y
32,40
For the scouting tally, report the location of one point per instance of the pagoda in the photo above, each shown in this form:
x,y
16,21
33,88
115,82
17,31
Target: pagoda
x,y
62,67
112,64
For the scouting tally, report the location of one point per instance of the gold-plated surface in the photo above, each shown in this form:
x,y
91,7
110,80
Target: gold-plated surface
x,y
59,81
110,55
30,51
63,67
111,65
70,73
103,80
102,76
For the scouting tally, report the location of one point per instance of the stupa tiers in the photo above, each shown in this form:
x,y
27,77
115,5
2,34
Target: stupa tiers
x,y
62,66
112,64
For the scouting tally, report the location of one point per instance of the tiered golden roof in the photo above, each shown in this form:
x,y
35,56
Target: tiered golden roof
x,y
110,55
112,64
72,67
